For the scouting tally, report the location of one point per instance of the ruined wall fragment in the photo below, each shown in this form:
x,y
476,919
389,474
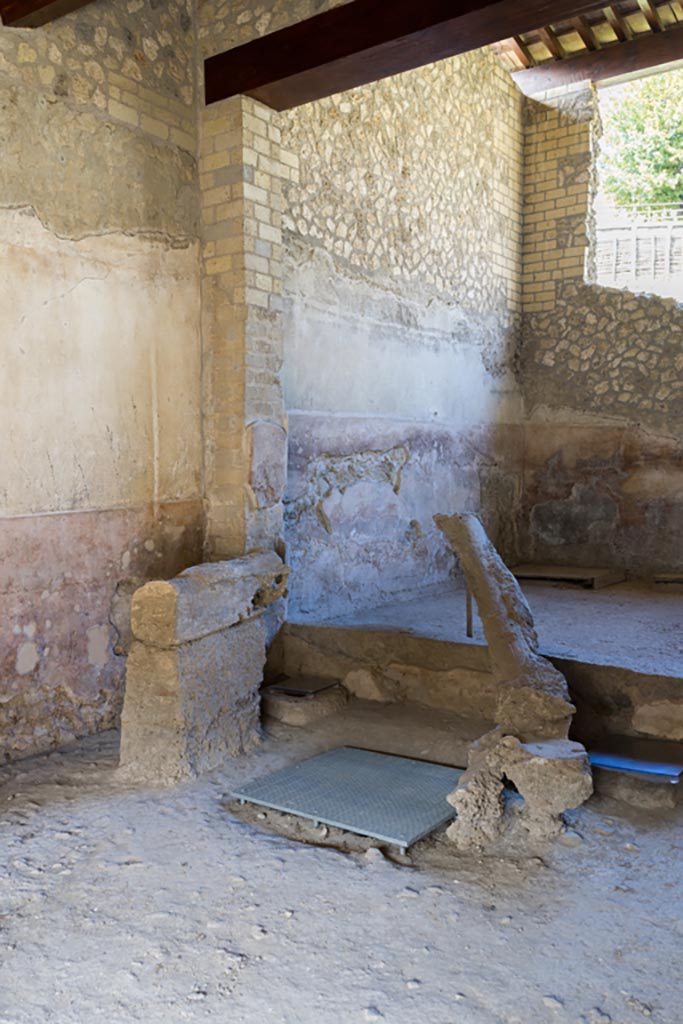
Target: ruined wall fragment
x,y
529,746
195,668
534,698
100,374
551,777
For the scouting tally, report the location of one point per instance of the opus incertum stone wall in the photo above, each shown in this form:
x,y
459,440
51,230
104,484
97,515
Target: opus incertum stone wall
x,y
602,372
396,211
224,24
185,291
400,282
402,288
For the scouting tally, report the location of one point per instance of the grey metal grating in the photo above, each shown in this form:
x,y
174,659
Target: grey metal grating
x,y
394,799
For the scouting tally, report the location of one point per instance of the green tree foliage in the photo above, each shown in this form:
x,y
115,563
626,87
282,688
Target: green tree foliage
x,y
642,144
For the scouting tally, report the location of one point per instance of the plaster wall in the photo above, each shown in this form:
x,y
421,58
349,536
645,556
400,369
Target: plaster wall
x,y
602,372
402,293
100,360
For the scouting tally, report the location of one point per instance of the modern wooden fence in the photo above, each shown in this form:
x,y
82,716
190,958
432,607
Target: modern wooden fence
x,y
642,250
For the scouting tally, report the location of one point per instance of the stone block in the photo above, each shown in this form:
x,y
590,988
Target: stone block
x,y
196,666
551,776
649,794
205,599
299,711
189,707
369,684
662,718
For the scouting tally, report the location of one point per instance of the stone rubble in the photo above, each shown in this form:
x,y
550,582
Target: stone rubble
x,y
529,746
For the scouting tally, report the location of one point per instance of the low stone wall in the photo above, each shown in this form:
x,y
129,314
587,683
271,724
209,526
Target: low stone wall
x,y
195,667
400,667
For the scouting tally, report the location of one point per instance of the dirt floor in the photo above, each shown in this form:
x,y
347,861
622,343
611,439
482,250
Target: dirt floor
x,y
633,625
124,904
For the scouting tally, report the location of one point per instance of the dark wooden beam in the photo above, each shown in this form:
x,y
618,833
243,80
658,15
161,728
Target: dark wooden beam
x,y
521,51
585,33
638,54
33,13
367,40
617,23
551,43
651,15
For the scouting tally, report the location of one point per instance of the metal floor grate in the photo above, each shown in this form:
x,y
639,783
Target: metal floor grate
x,y
394,799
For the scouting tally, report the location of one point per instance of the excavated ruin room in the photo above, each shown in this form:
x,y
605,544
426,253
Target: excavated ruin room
x,y
342,505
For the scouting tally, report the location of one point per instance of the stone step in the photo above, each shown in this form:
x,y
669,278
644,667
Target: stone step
x,y
302,700
455,676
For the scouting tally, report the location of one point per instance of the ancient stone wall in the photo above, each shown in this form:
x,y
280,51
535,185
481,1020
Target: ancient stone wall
x,y
224,24
402,303
100,378
400,206
349,272
602,372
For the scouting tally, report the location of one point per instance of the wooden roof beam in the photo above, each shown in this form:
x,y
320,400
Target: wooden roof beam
x,y
580,25
551,43
33,13
521,51
651,15
618,24
368,40
638,54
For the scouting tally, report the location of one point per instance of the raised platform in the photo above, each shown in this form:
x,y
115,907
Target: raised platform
x,y
620,648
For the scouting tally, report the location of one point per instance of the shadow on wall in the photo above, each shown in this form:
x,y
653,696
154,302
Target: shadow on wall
x,y
601,372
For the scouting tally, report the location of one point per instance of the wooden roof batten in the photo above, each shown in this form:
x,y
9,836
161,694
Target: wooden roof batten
x,y
608,41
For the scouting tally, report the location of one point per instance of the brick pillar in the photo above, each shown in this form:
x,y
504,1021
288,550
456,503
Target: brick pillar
x,y
241,175
558,178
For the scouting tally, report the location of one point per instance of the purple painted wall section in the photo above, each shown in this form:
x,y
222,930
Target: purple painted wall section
x,y
360,501
65,582
603,495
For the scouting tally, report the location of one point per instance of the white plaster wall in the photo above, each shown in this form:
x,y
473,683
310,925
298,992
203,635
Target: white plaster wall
x,y
401,286
99,370
359,348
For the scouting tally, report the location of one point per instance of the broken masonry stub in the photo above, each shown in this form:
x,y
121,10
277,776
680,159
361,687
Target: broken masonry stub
x,y
533,701
195,667
529,746
206,598
370,684
300,712
552,776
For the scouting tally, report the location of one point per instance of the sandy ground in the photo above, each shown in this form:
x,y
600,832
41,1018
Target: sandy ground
x,y
631,624
123,904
